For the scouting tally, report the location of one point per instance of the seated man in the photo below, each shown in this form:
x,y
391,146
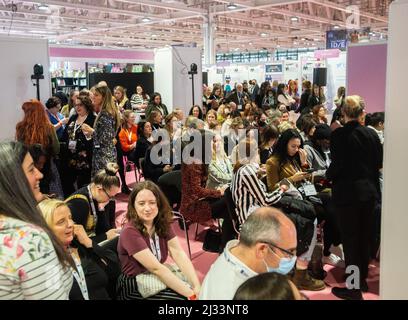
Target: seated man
x,y
267,244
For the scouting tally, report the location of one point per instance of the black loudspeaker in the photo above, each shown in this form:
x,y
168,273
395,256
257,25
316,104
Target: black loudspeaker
x,y
38,70
320,77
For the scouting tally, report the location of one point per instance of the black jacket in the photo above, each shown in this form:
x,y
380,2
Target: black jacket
x,y
79,204
101,268
304,98
357,156
234,98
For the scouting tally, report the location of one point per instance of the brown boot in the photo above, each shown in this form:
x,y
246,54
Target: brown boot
x,y
303,281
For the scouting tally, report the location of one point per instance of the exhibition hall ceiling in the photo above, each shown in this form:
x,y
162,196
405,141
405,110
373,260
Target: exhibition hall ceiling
x,y
236,25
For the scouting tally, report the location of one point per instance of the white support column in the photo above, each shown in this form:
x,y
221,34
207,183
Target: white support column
x,y
209,40
394,235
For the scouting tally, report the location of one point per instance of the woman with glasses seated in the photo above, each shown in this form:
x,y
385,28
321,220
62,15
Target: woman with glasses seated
x,y
93,206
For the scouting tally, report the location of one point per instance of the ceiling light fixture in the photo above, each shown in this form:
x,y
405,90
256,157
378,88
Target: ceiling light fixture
x,y
43,7
294,19
336,27
232,6
69,39
263,34
83,29
146,19
154,35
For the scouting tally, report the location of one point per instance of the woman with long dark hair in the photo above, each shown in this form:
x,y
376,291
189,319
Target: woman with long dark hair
x,y
157,104
104,132
34,264
288,161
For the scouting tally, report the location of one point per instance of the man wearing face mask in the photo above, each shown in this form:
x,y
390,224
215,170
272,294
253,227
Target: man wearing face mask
x,y
267,244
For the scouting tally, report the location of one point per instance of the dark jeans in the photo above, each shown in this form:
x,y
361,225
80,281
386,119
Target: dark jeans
x,y
219,210
356,227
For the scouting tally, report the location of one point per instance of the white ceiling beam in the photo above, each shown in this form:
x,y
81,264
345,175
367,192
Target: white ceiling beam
x,y
177,7
341,7
255,5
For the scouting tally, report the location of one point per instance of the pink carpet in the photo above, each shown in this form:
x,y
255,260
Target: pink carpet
x,y
202,260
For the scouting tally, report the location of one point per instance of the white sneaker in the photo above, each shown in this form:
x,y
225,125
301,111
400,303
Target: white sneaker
x,y
334,261
338,251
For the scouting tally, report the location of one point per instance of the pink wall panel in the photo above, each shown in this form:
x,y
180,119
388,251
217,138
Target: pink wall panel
x,y
147,56
366,74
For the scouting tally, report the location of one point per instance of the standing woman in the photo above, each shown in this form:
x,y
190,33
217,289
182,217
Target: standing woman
x,y
104,131
36,128
156,104
121,100
53,105
139,101
69,109
357,157
304,98
76,153
33,264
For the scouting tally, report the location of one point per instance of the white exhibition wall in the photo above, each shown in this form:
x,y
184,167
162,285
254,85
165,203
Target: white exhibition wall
x,y
172,80
394,235
283,71
18,57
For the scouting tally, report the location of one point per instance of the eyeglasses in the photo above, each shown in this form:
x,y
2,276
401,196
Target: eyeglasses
x,y
111,198
289,253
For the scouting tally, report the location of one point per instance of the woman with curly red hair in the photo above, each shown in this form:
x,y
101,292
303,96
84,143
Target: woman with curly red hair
x,y
36,128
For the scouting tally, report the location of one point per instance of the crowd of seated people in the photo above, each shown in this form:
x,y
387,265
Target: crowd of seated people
x,y
242,150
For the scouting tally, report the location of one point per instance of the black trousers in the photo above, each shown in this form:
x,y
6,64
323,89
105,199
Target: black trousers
x,y
356,227
219,210
331,229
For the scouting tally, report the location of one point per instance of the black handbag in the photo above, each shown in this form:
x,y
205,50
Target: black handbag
x,y
212,241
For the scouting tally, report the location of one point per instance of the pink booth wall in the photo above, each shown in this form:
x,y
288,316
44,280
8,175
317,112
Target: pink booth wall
x,y
145,56
366,74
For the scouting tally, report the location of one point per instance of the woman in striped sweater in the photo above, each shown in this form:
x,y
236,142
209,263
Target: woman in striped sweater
x,y
33,265
248,191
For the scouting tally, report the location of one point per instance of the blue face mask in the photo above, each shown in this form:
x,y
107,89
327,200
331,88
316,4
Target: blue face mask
x,y
285,265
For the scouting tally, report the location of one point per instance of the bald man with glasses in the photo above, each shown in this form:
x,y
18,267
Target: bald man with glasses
x,y
267,244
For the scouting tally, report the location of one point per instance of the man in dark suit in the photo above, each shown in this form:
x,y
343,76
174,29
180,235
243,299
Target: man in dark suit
x,y
255,90
356,160
238,96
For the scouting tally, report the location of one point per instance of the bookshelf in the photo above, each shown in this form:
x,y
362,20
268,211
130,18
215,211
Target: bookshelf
x,y
66,84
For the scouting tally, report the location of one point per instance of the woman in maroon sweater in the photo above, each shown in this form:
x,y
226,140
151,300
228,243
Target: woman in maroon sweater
x,y
198,203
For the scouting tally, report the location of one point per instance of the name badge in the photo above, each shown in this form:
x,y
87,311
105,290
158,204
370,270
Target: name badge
x,y
72,145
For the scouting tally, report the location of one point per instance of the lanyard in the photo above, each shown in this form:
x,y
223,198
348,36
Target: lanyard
x,y
80,277
95,216
55,117
238,267
129,134
156,245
